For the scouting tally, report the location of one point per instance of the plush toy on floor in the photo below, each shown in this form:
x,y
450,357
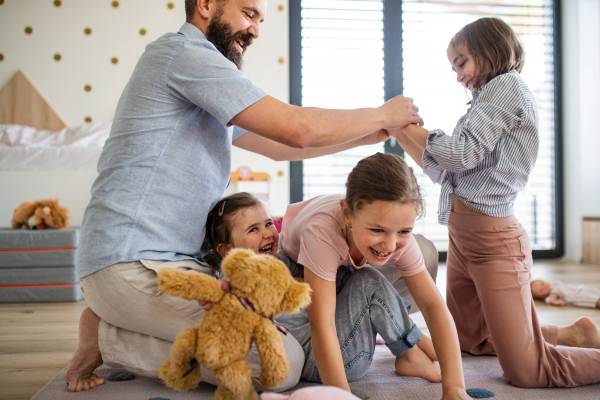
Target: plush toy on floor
x,y
261,288
46,214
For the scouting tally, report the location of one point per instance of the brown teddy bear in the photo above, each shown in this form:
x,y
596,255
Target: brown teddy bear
x,y
261,288
46,214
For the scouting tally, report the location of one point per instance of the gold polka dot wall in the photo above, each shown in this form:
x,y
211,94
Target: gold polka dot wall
x,y
28,30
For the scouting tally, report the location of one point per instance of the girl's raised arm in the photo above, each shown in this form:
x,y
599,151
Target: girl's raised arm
x,y
321,314
443,333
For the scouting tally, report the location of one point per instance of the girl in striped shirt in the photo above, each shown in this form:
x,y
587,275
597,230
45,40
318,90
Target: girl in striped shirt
x,y
482,167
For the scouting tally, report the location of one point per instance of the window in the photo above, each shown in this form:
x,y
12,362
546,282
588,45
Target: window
x,y
351,53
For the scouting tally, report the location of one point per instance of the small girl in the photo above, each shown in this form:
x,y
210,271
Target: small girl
x,y
558,293
481,168
239,220
331,238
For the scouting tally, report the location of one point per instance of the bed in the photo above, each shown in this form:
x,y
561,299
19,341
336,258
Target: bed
x,y
40,157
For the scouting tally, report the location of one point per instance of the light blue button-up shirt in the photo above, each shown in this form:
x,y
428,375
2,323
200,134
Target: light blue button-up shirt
x,y
168,157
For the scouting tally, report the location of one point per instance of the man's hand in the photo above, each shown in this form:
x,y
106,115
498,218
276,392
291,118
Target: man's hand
x,y
224,285
400,111
397,133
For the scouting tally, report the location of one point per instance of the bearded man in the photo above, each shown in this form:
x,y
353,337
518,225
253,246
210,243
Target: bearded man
x,y
167,162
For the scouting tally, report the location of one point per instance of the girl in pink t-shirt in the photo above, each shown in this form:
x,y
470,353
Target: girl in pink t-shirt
x,y
328,240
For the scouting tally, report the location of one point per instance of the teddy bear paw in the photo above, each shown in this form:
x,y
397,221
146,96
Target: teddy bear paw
x,y
179,377
224,393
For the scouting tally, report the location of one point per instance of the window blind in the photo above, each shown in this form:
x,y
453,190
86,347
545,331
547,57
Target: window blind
x,y
342,66
427,27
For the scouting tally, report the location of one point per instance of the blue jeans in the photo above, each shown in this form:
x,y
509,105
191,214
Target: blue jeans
x,y
366,304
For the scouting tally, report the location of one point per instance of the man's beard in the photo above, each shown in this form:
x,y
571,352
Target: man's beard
x,y
220,33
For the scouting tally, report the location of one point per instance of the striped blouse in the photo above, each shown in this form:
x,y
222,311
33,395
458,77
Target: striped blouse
x,y
491,153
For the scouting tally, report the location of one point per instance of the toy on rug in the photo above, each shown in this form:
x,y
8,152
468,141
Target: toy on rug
x,y
121,376
261,288
477,393
313,393
46,214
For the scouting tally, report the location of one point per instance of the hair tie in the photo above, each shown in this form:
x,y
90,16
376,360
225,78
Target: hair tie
x,y
222,208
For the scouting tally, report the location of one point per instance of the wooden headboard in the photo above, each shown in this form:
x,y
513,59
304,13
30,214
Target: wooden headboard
x,y
22,104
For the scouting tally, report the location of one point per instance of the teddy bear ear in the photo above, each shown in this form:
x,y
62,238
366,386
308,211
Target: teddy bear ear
x,y
234,257
297,297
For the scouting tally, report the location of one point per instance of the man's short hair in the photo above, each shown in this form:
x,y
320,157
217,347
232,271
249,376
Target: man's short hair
x,y
190,9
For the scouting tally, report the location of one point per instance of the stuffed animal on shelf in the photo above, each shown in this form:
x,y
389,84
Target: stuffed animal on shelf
x,y
261,288
46,214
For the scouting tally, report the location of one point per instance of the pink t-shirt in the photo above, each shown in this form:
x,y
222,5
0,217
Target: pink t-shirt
x,y
314,235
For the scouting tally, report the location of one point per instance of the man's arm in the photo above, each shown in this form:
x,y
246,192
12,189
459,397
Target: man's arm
x,y
301,127
280,152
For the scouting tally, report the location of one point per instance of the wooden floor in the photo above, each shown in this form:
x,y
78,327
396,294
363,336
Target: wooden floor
x,y
37,339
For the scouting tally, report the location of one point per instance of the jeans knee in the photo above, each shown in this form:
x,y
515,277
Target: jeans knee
x,y
359,366
368,276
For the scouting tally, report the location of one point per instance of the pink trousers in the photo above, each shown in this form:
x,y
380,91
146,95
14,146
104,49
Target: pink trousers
x,y
489,270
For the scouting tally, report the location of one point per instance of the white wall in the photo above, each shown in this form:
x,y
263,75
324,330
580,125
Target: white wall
x,y
581,106
87,60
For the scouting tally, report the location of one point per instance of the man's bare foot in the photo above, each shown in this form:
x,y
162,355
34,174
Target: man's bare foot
x,y
426,345
416,363
80,370
583,333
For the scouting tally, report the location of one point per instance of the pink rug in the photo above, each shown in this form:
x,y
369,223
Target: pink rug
x,y
382,383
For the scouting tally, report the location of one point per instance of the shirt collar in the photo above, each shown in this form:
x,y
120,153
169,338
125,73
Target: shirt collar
x,y
477,92
192,31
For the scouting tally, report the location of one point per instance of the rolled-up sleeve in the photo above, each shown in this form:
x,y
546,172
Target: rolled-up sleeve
x,y
496,113
431,168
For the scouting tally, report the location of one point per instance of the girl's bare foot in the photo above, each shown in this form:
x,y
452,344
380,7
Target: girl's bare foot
x,y
416,363
583,333
426,345
80,370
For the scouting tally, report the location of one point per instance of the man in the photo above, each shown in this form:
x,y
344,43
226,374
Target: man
x,y
167,162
